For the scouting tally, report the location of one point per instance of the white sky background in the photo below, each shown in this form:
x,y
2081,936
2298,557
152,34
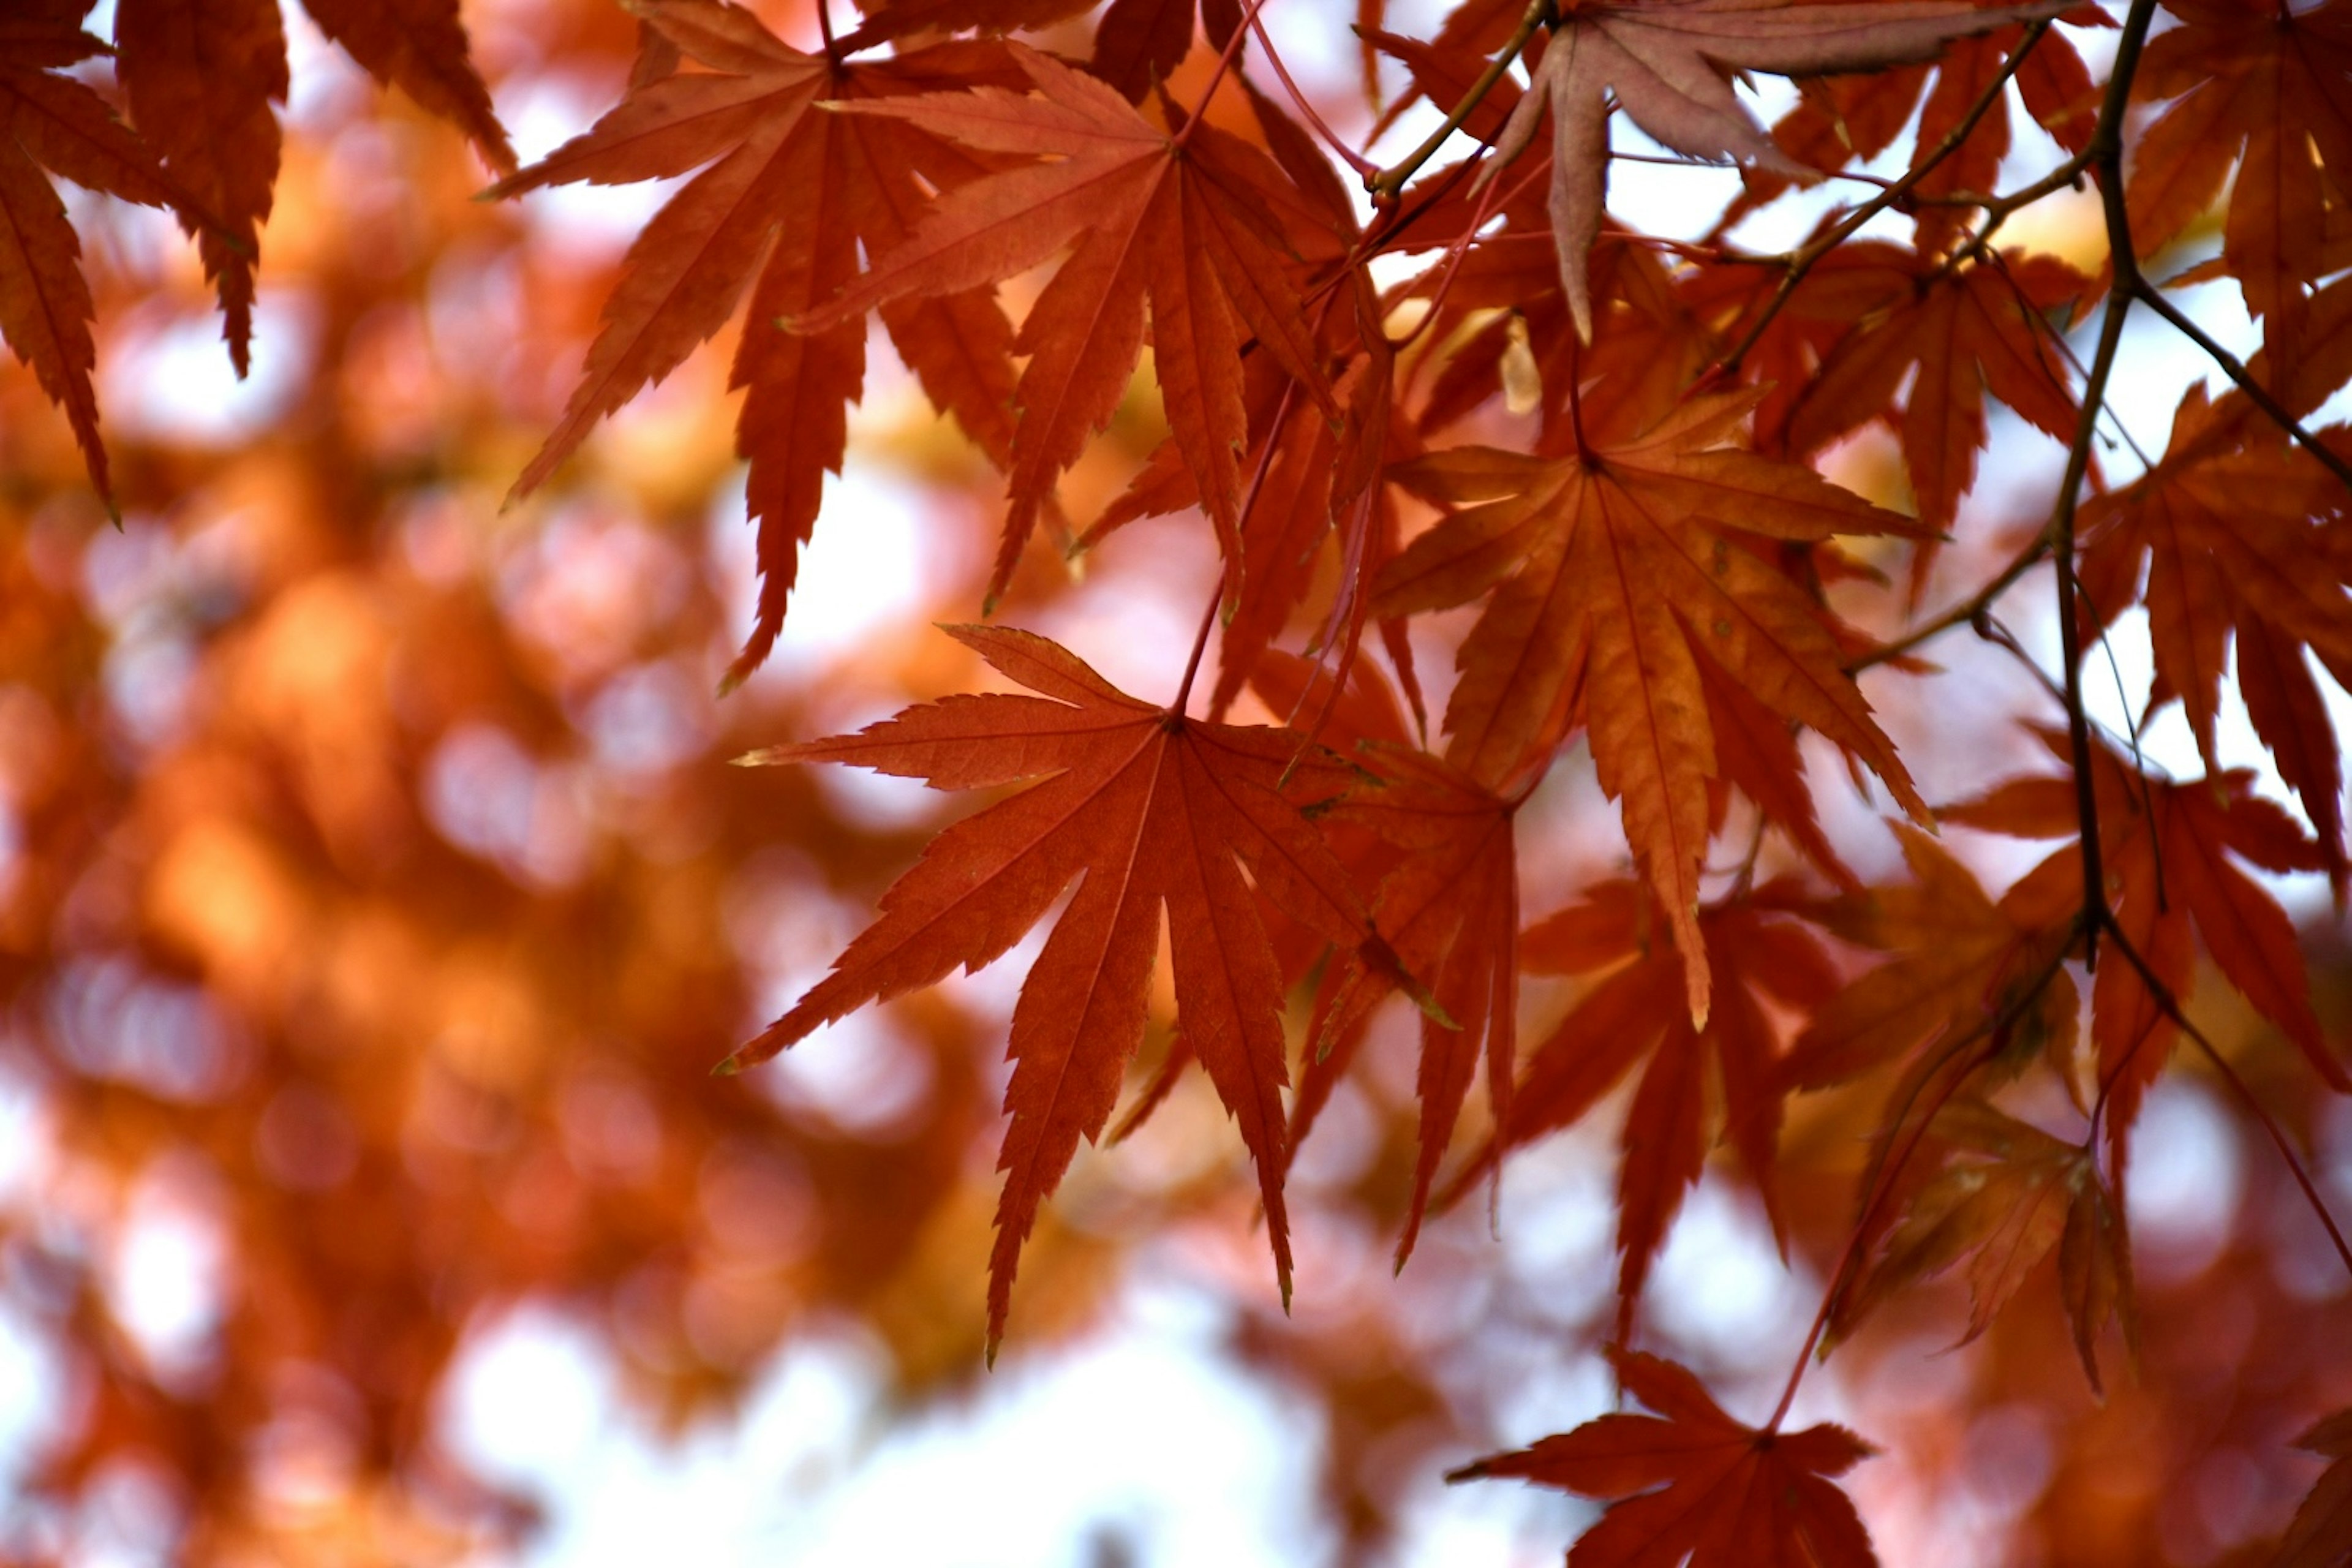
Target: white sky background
x,y
1149,1429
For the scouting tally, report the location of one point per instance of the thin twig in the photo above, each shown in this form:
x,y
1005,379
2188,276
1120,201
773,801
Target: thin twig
x,y
1960,615
1802,261
1385,182
2169,1006
2256,392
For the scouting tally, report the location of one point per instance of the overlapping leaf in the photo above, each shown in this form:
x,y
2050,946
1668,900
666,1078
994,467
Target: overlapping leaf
x,y
789,195
1963,332
1615,571
2321,1534
1998,1196
1449,902
1180,219
2167,851
1142,808
1763,960
1691,1485
2265,88
1667,66
2243,542
49,121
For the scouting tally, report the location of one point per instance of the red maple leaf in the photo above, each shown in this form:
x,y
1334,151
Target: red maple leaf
x,y
1178,217
1694,1486
789,195
1763,960
1143,808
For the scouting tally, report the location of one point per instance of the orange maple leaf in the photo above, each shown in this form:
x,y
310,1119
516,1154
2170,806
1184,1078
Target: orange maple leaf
x,y
1693,1485
1448,900
1958,333
1615,571
790,195
1763,960
1182,219
2230,530
2263,87
1961,962
1999,1195
50,120
2166,848
1148,807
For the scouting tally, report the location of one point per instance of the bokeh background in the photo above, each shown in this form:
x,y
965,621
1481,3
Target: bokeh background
x,y
376,896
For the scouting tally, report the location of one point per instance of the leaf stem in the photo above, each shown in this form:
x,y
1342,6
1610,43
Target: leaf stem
x,y
1888,1166
1362,165
1385,183
1217,77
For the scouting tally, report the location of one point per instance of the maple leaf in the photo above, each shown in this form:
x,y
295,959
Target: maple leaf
x,y
1615,571
1963,332
1449,904
2235,547
2002,1195
2321,1534
419,46
200,80
2263,87
1666,63
1763,960
53,122
1143,808
1961,962
1139,42
2166,848
1692,1485
1181,219
789,195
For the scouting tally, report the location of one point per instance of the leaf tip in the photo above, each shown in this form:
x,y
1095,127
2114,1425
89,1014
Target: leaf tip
x,y
765,757
728,1068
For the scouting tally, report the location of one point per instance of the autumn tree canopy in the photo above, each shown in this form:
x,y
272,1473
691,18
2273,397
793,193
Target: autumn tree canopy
x,y
1550,592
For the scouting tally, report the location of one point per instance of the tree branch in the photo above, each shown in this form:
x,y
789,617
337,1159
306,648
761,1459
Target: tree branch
x,y
2256,392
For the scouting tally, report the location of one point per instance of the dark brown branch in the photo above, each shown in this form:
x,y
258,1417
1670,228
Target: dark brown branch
x,y
2256,392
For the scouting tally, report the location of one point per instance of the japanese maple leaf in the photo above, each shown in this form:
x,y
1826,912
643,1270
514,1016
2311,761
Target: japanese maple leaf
x,y
1667,65
789,195
1763,960
1962,331
1138,43
2239,545
1998,1196
1181,220
1449,902
1691,1485
1842,120
2167,851
1142,807
201,76
1614,572
50,120
1960,964
2262,86
2320,1535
